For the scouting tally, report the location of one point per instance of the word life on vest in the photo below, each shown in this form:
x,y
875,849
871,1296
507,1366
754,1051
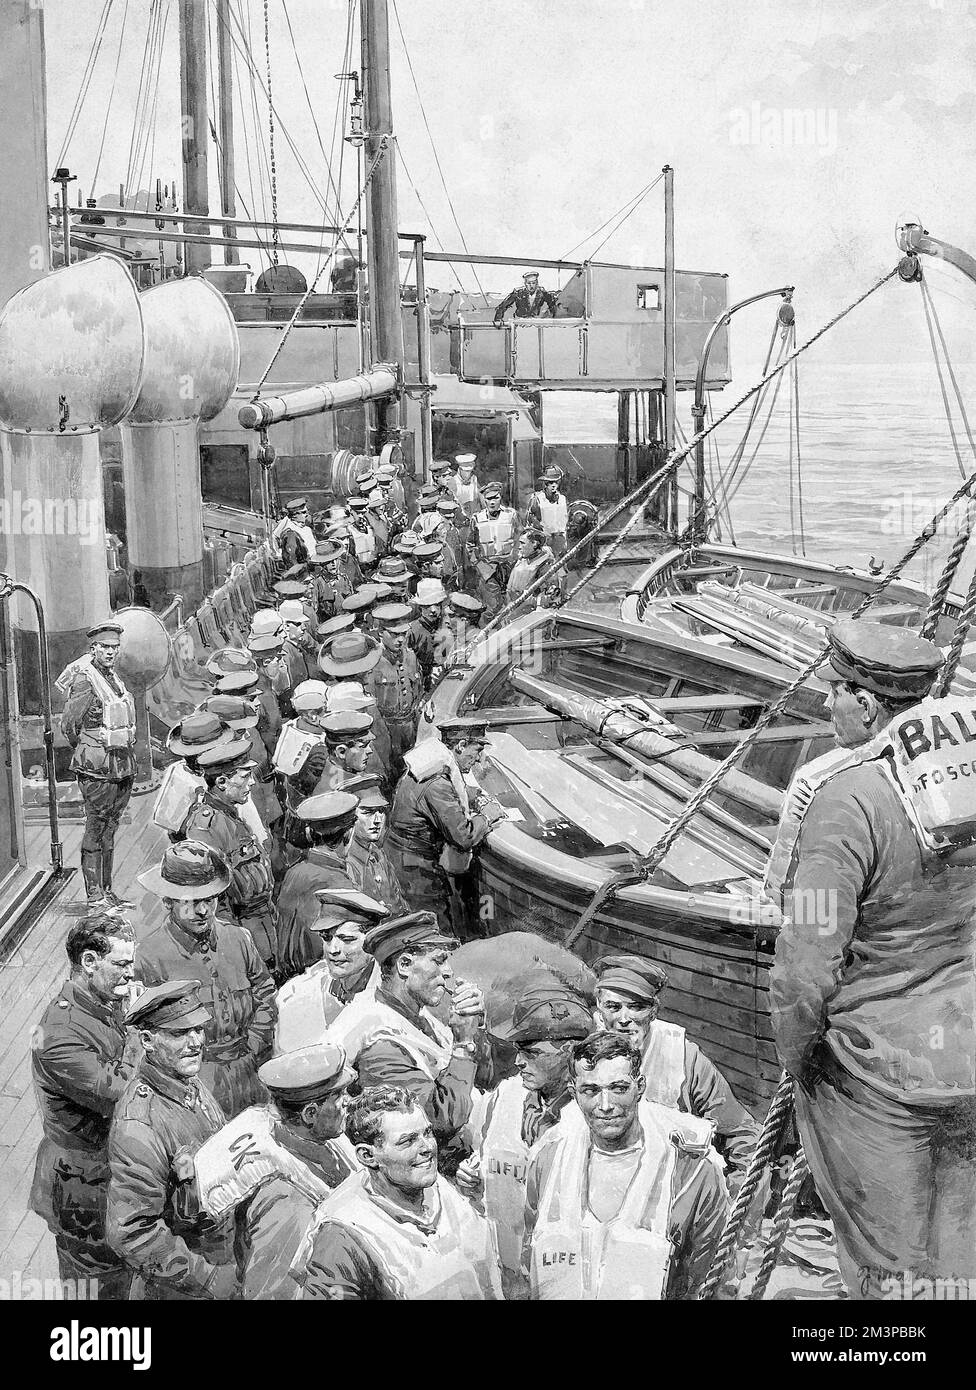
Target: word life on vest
x,y
935,763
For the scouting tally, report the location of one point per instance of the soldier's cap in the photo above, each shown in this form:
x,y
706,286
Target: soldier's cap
x,y
296,504
309,695
331,811
430,592
175,1006
292,610
326,552
386,473
238,683
446,505
350,654
226,758
632,975
407,543
531,275
359,600
230,659
289,588
547,1013
428,495
415,930
440,466
338,905
472,729
196,733
261,644
491,490
892,662
108,633
365,478
371,795
376,498
465,460
234,711
465,603
189,870
266,622
393,571
393,617
358,504
347,724
346,695
552,474
308,1074
429,550
380,591
342,622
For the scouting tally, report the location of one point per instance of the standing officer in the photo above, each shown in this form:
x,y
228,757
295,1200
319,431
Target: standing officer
x,y
162,1117
80,1065
549,510
322,825
363,536
193,943
367,863
216,821
427,633
872,990
495,539
395,682
677,1074
427,520
451,539
294,534
99,721
528,300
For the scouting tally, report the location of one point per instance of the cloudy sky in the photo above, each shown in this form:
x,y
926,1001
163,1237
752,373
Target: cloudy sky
x,y
800,132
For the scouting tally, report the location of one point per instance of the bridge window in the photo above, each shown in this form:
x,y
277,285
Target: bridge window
x,y
648,296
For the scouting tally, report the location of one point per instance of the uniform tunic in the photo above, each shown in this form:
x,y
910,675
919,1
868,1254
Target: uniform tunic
x,y
80,1069
527,306
105,775
298,907
151,1222
426,645
217,822
369,868
239,992
426,816
398,688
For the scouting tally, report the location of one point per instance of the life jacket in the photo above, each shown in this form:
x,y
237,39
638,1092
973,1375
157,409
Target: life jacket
x,y
453,1262
525,572
307,1008
496,534
179,792
576,1257
118,726
293,747
552,515
428,759
367,1020
304,533
663,1066
504,1168
932,766
799,794
365,544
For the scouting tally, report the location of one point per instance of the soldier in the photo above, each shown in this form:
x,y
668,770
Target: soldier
x,y
376,516
677,1074
347,566
394,573
162,1117
301,752
304,1144
872,989
264,651
427,635
360,604
308,1003
528,300
351,657
392,512
460,625
349,748
395,1038
262,809
193,943
620,1177
546,1021
442,477
493,547
322,827
363,536
396,683
434,830
548,510
99,722
427,520
80,1064
428,559
534,558
396,1230
294,534
366,479
228,771
451,539
182,784
329,585
467,492
298,650
367,863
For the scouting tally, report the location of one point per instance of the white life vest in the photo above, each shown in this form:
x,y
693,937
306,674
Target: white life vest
x,y
525,572
504,1168
426,760
466,494
293,747
576,1257
663,1066
306,1007
365,544
932,767
251,817
118,727
426,523
553,515
306,534
367,1020
496,534
178,793
453,1262
242,1155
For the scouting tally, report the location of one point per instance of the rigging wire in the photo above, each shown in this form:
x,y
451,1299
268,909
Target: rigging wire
x,y
318,134
623,219
927,295
626,208
137,115
938,368
111,98
275,235
85,82
149,144
799,463
430,223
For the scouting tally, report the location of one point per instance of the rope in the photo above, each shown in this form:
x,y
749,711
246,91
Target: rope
x,y
627,208
311,109
634,521
926,301
949,368
799,469
275,236
727,476
614,230
773,395
939,594
86,78
781,1224
963,623
430,221
775,1123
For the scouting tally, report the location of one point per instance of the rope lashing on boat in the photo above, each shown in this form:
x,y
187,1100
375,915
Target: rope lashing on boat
x,y
649,488
385,143
963,624
781,1224
774,1125
941,591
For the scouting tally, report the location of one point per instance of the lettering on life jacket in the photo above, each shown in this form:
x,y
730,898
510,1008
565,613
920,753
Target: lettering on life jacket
x,y
559,1257
242,1149
507,1168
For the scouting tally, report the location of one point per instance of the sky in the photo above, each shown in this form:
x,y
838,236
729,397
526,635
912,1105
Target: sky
x,y
800,131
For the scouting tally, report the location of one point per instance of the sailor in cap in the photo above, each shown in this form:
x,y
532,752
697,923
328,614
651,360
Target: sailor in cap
x,y
676,1071
321,828
427,632
367,862
396,1038
546,1021
427,520
428,558
294,534
528,300
299,1155
467,492
216,820
395,682
310,1002
162,1118
535,558
873,961
362,534
492,547
548,510
99,722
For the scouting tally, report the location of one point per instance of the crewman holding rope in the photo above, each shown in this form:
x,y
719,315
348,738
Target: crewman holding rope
x,y
873,992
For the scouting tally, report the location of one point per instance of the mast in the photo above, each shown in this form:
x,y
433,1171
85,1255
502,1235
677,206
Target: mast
x,y
195,124
225,131
385,315
669,305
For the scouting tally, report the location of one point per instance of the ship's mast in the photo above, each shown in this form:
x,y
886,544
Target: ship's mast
x,y
385,315
195,124
225,116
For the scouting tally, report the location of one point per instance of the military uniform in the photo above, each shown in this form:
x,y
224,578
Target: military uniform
x,y
493,547
398,688
525,573
217,822
527,305
370,870
426,642
236,986
80,1070
324,817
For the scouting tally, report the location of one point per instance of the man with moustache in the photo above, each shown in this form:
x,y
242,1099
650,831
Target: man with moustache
x,y
396,1230
81,1063
163,1116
